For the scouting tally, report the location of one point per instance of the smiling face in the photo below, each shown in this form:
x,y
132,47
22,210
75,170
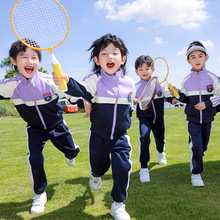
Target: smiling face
x,y
27,62
197,60
110,59
144,72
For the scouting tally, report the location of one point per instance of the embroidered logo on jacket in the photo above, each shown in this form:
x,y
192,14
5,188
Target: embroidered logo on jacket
x,y
209,88
159,93
47,97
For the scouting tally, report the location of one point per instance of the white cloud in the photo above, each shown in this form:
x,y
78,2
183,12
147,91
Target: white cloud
x,y
158,40
140,28
185,13
208,44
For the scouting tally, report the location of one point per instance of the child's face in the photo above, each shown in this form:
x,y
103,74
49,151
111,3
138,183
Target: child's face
x,y
197,60
27,62
144,72
110,59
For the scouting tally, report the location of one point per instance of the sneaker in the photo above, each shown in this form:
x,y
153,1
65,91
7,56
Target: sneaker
x,y
144,175
70,162
196,180
161,158
118,211
95,183
38,203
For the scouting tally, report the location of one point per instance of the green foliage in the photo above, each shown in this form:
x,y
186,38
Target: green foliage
x,y
169,194
7,109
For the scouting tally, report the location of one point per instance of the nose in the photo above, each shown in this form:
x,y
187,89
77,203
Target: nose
x,y
110,55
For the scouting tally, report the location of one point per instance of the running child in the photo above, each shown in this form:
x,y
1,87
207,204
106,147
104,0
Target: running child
x,y
200,90
110,93
35,97
152,118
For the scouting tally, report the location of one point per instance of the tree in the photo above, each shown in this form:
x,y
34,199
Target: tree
x,y
9,69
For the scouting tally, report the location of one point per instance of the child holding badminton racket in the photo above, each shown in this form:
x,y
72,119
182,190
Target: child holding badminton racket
x,y
110,93
152,118
200,91
35,96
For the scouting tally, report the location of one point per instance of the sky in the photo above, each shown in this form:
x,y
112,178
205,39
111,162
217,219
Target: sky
x,y
158,28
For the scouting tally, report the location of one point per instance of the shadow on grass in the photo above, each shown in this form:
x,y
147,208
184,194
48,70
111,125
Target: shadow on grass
x,y
169,195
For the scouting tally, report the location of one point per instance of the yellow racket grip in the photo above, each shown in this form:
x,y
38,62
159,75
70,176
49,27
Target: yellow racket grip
x,y
57,70
175,93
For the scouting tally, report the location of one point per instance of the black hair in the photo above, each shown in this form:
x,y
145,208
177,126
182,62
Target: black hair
x,y
196,43
102,43
143,59
18,47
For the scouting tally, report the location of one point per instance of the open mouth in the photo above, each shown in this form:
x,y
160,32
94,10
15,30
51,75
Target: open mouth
x,y
197,64
29,69
110,65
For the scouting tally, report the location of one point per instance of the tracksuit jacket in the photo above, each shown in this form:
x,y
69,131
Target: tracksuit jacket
x,y
35,99
197,87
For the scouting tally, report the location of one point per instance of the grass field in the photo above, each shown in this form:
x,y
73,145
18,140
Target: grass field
x,y
169,195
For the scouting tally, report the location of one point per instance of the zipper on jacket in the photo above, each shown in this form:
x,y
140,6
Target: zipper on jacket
x,y
114,113
200,99
36,106
155,113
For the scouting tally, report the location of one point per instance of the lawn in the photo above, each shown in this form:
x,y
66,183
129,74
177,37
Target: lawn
x,y
169,194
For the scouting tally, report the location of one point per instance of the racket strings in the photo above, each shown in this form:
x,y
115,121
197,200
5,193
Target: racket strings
x,y
147,94
47,25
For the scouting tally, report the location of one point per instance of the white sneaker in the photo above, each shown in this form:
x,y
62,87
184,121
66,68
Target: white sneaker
x,y
161,158
95,182
118,211
38,203
144,175
196,180
70,162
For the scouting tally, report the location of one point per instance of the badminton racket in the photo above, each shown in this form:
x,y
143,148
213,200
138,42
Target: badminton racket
x,y
162,72
148,93
44,22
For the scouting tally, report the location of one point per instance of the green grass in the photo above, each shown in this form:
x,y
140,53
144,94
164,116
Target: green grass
x,y
169,195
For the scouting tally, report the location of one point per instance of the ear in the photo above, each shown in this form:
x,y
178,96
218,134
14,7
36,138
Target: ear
x,y
136,72
123,59
206,57
96,60
152,70
13,61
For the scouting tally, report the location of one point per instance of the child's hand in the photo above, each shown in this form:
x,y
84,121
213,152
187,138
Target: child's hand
x,y
58,80
174,101
87,107
172,90
200,106
135,101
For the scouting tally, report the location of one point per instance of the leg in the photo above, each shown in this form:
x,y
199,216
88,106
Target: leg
x,y
35,160
99,149
206,132
195,144
144,142
121,167
158,130
62,140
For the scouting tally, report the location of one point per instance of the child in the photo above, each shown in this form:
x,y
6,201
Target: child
x,y
201,93
110,93
152,118
35,96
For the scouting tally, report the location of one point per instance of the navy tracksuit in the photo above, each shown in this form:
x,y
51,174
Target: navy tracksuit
x,y
202,86
151,119
111,96
36,100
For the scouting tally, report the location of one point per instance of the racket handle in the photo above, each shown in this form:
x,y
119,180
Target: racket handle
x,y
58,71
175,93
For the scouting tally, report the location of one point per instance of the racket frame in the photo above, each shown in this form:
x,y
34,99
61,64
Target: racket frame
x,y
156,80
35,48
